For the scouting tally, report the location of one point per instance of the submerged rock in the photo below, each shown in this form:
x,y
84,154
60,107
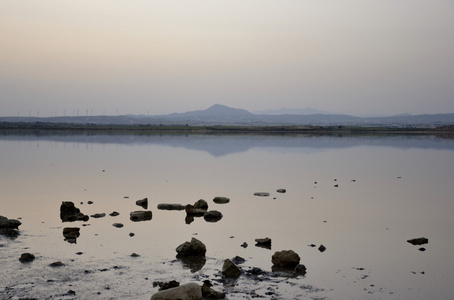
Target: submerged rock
x,y
229,269
419,241
171,206
56,264
137,216
285,259
143,202
192,248
98,215
221,200
189,291
261,194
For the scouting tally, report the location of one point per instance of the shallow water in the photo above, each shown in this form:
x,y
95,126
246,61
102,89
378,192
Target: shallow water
x,y
361,197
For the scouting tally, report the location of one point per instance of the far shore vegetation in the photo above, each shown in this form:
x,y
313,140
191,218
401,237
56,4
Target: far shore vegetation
x,y
185,128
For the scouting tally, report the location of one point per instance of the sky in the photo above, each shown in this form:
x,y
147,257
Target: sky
x,y
359,57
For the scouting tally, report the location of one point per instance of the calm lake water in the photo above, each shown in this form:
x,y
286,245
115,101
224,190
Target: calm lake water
x,y
361,197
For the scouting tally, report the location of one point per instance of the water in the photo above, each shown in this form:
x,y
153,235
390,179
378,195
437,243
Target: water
x,y
361,197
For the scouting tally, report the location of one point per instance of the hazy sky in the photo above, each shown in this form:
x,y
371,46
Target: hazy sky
x,y
158,57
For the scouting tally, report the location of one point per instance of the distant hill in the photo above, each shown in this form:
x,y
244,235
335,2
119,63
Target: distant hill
x,y
292,111
224,115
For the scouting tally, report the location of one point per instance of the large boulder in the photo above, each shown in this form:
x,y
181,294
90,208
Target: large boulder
x,y
137,216
229,269
189,291
285,259
192,248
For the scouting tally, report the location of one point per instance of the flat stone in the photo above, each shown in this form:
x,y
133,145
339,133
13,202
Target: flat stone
x,y
189,291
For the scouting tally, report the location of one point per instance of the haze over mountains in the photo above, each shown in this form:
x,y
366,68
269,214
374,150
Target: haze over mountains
x,y
224,115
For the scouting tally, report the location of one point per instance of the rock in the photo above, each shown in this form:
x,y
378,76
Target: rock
x,y
300,269
70,213
262,194
90,202
189,291
255,271
6,223
9,227
134,255
212,216
281,191
244,245
285,259
168,285
263,243
238,260
171,206
131,234
143,202
26,257
99,215
114,214
419,241
192,248
192,211
221,200
71,234
229,269
137,216
201,204
209,293
312,245
118,225
422,249
56,264
321,248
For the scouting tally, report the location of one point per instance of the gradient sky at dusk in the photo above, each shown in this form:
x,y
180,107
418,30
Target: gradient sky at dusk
x,y
360,57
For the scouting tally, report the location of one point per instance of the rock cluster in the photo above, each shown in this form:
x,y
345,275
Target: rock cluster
x,y
9,227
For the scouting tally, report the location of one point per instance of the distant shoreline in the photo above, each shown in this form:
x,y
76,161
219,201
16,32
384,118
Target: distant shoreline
x,y
273,129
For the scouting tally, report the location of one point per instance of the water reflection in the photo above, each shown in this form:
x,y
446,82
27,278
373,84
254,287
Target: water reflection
x,y
221,145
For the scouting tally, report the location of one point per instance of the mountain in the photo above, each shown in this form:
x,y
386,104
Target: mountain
x,y
215,110
224,115
292,111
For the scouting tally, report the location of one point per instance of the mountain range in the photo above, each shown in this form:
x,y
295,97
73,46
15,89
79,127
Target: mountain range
x,y
223,115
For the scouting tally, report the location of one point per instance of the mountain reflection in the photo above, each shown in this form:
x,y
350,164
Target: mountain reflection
x,y
225,144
